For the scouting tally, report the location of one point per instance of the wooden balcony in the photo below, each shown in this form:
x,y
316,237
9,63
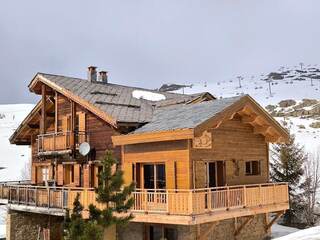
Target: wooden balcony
x,y
167,207
60,142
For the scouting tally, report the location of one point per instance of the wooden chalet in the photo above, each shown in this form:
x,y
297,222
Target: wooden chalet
x,y
198,162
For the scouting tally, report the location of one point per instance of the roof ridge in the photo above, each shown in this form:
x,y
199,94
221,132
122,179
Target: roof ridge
x,y
120,85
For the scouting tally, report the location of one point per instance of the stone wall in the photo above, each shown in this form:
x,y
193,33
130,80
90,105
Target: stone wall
x,y
132,231
24,225
255,230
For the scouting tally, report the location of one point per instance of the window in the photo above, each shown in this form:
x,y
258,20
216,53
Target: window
x,y
154,176
253,168
45,174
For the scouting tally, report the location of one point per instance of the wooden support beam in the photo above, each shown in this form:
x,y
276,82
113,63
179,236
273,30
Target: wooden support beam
x,y
249,119
33,126
261,129
272,138
276,217
205,235
43,120
245,223
56,112
73,125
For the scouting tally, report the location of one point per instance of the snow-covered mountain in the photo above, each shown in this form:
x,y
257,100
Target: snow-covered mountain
x,y
13,158
295,83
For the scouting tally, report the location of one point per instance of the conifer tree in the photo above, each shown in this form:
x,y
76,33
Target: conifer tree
x,y
74,224
112,193
287,166
76,228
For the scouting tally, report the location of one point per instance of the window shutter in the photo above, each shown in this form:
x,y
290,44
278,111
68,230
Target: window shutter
x,y
82,122
96,177
33,174
77,175
60,175
86,176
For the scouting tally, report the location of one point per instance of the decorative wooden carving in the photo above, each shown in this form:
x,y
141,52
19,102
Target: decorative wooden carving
x,y
204,141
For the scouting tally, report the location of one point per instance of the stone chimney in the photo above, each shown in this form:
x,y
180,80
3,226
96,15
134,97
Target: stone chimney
x,y
92,74
103,76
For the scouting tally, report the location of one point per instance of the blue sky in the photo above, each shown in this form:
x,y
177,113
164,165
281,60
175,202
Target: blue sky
x,y
147,43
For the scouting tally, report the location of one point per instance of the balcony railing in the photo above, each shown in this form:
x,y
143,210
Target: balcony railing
x,y
60,141
167,202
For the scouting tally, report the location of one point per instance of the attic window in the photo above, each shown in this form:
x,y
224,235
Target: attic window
x,y
117,104
146,95
103,93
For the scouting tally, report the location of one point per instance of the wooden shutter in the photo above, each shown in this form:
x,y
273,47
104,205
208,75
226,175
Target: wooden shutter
x,y
50,173
77,174
64,124
60,175
82,121
33,174
86,176
96,177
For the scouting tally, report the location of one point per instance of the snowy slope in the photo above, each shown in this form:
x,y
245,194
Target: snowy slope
x,y
286,83
13,158
306,234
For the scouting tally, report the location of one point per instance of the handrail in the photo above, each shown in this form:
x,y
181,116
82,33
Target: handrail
x,y
60,141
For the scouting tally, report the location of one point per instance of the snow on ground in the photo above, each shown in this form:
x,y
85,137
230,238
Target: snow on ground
x,y
13,158
306,234
279,231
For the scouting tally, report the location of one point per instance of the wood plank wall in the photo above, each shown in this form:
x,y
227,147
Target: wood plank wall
x,y
99,133
174,154
233,142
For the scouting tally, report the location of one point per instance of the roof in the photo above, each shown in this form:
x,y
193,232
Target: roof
x,y
185,116
117,100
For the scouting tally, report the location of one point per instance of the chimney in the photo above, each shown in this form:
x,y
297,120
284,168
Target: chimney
x,y
103,76
92,74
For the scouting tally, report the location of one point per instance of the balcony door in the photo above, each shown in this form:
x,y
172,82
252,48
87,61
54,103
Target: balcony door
x,y
154,176
215,174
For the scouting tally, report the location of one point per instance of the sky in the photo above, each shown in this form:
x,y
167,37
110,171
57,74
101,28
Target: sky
x,y
147,43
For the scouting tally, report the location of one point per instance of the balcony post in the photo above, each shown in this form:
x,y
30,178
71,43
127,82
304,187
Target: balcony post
x,y
209,203
36,196
190,202
48,197
167,201
244,196
228,198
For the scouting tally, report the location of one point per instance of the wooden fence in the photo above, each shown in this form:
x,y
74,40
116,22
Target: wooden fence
x,y
174,202
60,141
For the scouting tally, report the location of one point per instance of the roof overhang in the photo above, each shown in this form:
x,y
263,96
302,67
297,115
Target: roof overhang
x,y
15,137
40,79
172,135
248,109
251,113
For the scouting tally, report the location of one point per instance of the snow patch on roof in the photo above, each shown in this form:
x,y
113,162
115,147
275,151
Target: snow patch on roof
x,y
150,96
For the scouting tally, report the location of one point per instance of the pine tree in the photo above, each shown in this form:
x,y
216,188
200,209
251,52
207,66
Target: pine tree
x,y
287,166
76,228
74,225
112,193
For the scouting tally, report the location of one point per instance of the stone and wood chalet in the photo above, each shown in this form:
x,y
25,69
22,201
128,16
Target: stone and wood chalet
x,y
200,164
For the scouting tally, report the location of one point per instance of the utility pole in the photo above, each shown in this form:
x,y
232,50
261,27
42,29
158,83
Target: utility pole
x,y
301,65
240,78
270,92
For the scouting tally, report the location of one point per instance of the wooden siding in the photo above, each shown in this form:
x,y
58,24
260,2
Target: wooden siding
x,y
234,143
175,153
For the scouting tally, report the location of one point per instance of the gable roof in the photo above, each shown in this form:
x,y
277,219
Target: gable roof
x,y
185,121
116,101
185,116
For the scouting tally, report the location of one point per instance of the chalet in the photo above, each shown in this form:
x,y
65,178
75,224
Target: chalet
x,y
200,164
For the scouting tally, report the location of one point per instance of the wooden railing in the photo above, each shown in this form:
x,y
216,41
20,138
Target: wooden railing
x,y
60,141
173,202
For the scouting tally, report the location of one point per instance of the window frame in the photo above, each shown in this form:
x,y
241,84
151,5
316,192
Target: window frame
x,y
251,166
